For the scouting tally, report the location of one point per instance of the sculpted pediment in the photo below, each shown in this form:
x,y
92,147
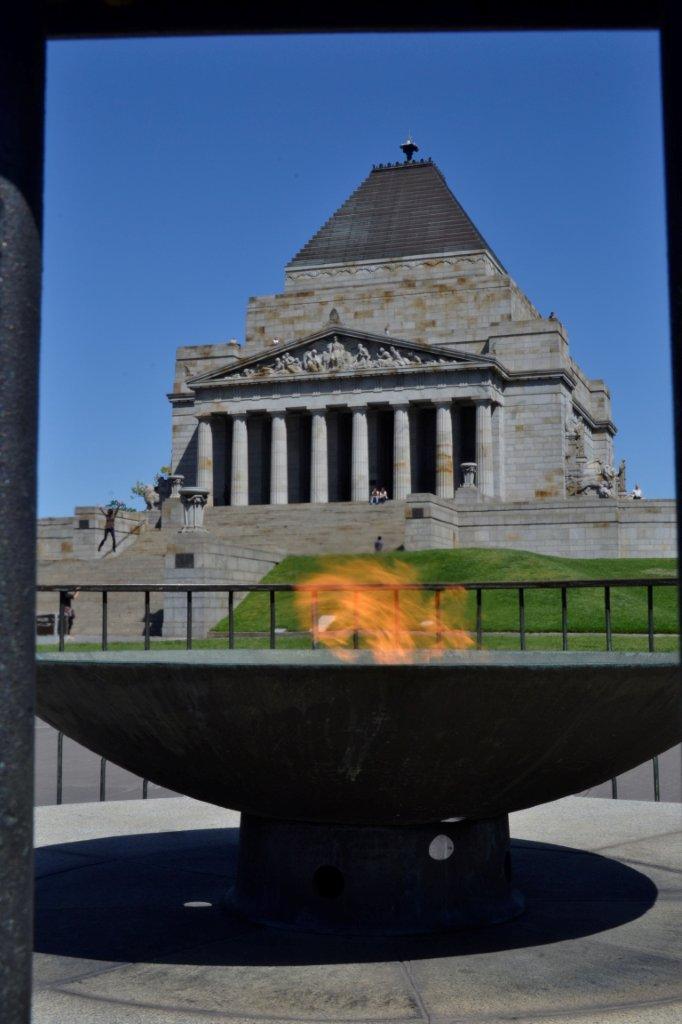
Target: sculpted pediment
x,y
336,352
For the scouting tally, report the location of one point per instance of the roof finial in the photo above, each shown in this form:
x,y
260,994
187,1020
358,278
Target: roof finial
x,y
409,148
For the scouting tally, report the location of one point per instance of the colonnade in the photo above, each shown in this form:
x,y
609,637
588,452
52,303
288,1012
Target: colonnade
x,y
446,446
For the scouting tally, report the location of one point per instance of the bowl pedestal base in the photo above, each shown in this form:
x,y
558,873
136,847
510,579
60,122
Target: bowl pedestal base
x,y
369,880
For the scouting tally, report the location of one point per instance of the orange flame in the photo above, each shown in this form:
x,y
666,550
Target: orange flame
x,y
391,622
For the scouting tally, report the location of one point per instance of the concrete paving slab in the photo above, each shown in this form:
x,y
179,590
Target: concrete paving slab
x,y
131,928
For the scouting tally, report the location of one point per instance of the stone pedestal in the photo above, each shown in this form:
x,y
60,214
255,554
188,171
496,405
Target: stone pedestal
x,y
198,557
194,501
364,880
430,522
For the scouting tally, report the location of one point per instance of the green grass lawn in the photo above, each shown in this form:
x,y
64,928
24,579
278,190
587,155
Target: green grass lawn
x,y
500,608
491,642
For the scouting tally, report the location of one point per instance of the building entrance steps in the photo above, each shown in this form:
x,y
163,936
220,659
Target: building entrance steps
x,y
140,562
339,527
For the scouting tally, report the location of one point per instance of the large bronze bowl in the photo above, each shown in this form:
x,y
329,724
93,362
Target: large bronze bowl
x,y
301,735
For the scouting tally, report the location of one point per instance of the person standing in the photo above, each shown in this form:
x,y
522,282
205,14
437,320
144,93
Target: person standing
x,y
378,545
68,597
109,517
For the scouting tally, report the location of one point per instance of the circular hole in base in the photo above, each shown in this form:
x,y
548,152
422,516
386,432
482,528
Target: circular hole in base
x,y
328,882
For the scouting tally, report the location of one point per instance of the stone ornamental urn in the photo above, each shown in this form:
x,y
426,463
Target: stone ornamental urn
x,y
469,474
194,501
176,481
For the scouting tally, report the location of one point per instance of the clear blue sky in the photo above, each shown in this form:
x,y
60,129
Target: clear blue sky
x,y
182,174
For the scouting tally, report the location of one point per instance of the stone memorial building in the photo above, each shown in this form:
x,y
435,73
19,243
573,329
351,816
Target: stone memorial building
x,y
399,351
402,355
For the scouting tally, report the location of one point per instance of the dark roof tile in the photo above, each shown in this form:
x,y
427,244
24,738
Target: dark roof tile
x,y
398,210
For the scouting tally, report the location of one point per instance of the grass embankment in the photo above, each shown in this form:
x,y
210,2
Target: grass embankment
x,y
500,608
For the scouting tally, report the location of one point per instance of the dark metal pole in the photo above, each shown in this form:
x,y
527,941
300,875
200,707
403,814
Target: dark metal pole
x,y
273,623
22,88
146,620
479,618
230,619
105,624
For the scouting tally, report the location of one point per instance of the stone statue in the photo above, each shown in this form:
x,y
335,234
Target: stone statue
x,y
622,486
151,497
337,356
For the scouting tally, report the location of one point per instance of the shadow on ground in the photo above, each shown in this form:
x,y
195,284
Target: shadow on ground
x,y
160,898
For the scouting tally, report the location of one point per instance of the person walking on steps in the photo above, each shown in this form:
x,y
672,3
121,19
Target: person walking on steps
x,y
109,517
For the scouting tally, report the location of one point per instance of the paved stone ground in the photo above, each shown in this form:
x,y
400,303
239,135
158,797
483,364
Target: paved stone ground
x,y
131,929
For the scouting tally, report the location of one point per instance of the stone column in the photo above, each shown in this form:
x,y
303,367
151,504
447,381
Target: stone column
x,y
445,487
239,484
484,448
279,493
402,471
204,475
319,477
360,457
456,445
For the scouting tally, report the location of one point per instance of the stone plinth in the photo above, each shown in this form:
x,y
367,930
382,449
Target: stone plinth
x,y
199,558
430,522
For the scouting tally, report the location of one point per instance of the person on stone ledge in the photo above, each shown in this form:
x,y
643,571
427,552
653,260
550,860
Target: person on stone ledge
x,y
374,497
383,495
109,518
637,492
378,545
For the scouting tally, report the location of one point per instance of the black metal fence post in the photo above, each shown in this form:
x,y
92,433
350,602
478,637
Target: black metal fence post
x,y
189,620
313,620
61,623
146,620
479,618
230,619
522,619
105,602
273,621
60,765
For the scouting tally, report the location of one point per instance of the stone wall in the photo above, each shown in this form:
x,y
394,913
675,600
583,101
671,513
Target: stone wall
x,y
573,528
445,299
202,558
79,535
534,442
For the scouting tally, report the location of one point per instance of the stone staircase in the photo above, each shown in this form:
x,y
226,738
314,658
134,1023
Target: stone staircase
x,y
297,529
140,562
341,527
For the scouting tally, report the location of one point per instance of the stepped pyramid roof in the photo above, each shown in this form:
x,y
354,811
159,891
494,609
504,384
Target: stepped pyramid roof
x,y
402,209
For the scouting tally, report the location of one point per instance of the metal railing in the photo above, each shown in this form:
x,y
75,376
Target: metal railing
x,y
272,589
